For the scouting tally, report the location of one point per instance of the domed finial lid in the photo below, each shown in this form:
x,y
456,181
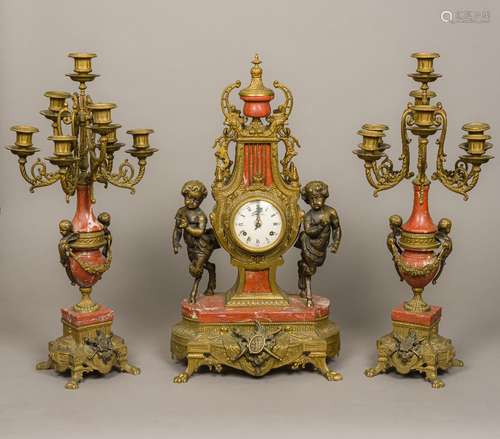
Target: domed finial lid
x,y
256,87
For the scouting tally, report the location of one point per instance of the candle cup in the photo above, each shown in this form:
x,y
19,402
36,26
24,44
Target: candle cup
x,y
371,138
63,145
423,115
140,137
83,62
375,127
24,135
476,127
422,97
101,112
57,100
111,135
476,143
425,61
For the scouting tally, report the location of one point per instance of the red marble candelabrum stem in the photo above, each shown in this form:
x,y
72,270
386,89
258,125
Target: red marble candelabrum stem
x,y
420,222
85,221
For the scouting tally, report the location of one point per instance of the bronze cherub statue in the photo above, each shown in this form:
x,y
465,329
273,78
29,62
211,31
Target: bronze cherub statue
x,y
319,223
192,222
64,246
395,223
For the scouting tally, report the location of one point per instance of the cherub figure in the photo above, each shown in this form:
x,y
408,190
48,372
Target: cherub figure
x,y
395,223
64,246
442,235
191,222
319,223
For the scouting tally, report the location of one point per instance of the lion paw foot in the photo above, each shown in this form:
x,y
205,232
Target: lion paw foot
x,y
333,376
373,371
44,365
128,368
437,384
72,385
181,378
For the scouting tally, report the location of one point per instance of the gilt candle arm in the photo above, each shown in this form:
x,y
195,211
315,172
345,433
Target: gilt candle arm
x,y
23,148
465,173
383,176
38,176
126,177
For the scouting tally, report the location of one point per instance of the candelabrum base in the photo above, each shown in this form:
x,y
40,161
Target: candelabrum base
x,y
415,345
87,345
255,340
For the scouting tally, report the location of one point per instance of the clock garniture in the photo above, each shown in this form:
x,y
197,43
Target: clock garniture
x,y
83,157
418,247
256,326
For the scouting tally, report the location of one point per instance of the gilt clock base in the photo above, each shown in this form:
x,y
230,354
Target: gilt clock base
x,y
255,340
415,345
87,345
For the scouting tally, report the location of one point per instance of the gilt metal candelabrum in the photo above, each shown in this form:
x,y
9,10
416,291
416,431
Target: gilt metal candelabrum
x,y
85,142
418,247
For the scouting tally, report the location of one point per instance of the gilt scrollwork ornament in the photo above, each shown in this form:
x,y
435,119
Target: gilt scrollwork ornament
x,y
237,128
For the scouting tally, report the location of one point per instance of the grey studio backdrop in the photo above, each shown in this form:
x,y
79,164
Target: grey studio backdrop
x,y
165,64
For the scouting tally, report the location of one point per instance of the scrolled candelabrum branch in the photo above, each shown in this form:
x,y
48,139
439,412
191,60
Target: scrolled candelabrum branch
x,y
379,168
464,175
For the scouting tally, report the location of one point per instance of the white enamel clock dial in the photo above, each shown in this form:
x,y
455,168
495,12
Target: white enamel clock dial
x,y
258,225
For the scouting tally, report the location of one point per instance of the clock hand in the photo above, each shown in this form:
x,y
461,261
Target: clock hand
x,y
258,221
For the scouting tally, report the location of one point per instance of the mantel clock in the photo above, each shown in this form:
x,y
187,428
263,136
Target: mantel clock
x,y
255,326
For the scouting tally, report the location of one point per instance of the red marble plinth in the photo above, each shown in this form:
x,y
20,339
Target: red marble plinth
x,y
399,314
102,315
211,309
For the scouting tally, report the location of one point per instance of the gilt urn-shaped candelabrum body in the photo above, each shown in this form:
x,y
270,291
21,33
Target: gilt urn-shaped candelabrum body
x,y
419,247
85,141
255,326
